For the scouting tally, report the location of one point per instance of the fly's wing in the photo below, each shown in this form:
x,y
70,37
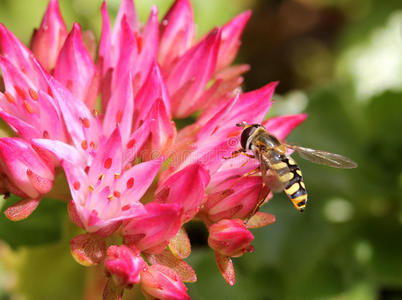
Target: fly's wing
x,y
270,175
323,157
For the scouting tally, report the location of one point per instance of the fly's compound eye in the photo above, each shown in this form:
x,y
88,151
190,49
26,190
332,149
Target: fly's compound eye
x,y
247,132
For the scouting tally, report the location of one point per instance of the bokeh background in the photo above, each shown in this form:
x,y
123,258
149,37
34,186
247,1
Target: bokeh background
x,y
338,60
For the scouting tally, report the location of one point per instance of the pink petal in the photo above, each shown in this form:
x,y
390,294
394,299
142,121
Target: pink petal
x,y
154,88
161,282
135,181
283,125
148,46
75,68
177,32
108,159
119,111
135,142
188,78
20,127
186,188
105,44
230,42
62,151
22,209
152,231
127,11
49,38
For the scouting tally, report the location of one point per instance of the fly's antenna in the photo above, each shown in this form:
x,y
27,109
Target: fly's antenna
x,y
242,124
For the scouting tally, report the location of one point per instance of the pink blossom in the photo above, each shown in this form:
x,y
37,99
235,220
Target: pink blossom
x,y
230,237
161,282
124,264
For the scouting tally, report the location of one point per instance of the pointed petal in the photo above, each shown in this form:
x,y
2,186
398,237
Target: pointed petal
x,y
49,38
154,88
20,127
152,231
127,11
186,188
283,125
230,42
148,46
105,44
22,209
135,142
135,181
120,109
188,78
75,68
177,32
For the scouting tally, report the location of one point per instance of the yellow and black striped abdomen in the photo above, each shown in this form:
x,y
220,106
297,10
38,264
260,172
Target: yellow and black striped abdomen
x,y
290,179
295,188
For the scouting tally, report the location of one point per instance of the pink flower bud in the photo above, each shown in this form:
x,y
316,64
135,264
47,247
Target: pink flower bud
x,y
162,282
230,238
124,264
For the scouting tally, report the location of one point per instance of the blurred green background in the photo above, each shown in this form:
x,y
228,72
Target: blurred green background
x,y
338,60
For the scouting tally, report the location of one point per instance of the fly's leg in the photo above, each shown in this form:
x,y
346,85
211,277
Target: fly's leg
x,y
239,152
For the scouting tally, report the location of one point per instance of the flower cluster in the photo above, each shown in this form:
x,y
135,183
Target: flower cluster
x,y
130,171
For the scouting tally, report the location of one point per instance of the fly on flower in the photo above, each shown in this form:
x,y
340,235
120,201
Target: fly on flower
x,y
279,171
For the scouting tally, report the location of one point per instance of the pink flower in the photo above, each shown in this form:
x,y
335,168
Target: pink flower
x,y
24,173
230,237
161,282
124,264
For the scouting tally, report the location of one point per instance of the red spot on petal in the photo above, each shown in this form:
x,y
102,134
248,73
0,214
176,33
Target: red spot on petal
x,y
20,92
84,145
77,185
108,163
10,98
119,116
28,107
86,122
130,183
94,212
34,95
126,207
49,91
140,41
92,145
116,194
29,172
45,134
131,143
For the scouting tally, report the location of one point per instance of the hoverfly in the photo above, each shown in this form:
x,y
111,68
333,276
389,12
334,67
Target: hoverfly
x,y
279,171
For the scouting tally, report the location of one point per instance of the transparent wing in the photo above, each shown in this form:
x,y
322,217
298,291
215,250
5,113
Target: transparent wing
x,y
323,157
270,176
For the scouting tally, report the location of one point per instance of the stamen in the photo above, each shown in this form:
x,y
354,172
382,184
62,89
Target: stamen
x,y
116,175
92,145
10,98
110,197
101,176
91,188
130,183
28,107
45,134
108,163
34,95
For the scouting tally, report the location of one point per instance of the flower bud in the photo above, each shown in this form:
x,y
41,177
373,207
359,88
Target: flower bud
x,y
124,264
161,282
230,238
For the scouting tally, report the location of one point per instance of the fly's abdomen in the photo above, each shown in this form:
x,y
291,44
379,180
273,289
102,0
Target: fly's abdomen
x,y
295,188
